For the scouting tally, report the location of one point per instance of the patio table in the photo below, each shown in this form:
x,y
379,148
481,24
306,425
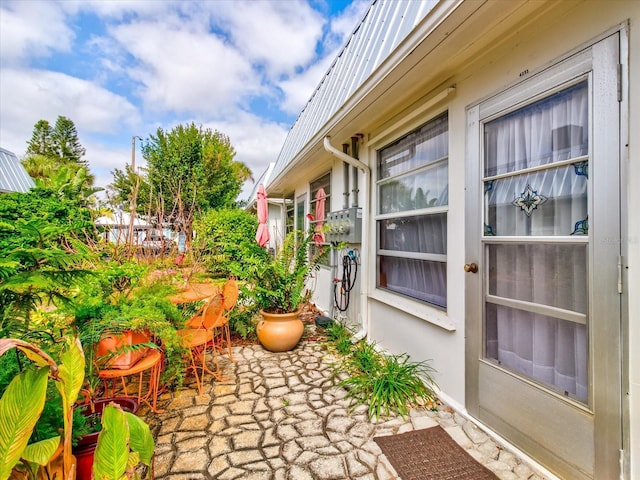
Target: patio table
x,y
151,362
195,292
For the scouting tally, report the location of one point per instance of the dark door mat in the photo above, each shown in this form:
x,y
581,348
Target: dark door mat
x,y
431,454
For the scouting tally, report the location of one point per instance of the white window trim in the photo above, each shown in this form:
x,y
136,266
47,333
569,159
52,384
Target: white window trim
x,y
420,310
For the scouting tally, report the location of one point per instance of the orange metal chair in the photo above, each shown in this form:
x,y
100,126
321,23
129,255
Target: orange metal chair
x,y
199,335
221,331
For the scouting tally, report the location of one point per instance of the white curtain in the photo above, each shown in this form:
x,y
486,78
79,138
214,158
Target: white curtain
x,y
413,175
550,202
421,279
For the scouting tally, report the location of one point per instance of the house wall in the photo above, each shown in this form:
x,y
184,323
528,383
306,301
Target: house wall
x,y
539,40
427,333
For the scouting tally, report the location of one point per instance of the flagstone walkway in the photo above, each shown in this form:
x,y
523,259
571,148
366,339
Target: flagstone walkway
x,y
279,417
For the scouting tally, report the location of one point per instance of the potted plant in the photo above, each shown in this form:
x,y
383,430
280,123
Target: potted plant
x,y
279,290
85,449
115,323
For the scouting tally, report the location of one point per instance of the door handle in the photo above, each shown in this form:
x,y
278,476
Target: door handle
x,y
471,268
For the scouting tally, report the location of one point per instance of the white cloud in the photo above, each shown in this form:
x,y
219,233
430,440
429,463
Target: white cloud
x,y
27,96
280,36
32,29
298,89
193,71
257,142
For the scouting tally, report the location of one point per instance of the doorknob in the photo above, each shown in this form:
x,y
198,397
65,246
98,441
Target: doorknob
x,y
471,267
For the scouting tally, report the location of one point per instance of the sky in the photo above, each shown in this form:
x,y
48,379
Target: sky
x,y
121,69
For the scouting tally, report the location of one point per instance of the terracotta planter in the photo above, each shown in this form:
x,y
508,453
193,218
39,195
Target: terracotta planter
x,y
110,342
86,446
280,332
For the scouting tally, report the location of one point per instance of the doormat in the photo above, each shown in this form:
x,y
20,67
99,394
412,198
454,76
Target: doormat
x,y
431,454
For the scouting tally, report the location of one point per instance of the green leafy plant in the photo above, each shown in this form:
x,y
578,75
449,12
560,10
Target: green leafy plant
x,y
124,441
225,243
38,266
393,386
242,318
23,402
279,285
366,358
387,384
339,338
139,307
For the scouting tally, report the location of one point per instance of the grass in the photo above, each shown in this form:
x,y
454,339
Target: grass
x,y
339,337
386,384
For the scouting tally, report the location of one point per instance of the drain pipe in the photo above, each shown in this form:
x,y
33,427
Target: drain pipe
x,y
345,178
354,171
354,162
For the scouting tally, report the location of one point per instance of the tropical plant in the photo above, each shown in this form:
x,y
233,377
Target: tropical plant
x,y
124,441
116,299
54,159
23,401
38,266
279,285
242,317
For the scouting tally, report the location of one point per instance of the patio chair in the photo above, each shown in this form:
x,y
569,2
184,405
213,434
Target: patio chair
x,y
198,336
221,330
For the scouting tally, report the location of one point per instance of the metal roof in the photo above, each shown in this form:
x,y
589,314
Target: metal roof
x,y
264,180
385,24
13,176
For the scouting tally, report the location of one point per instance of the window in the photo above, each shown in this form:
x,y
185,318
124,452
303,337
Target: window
x,y
412,191
289,215
301,211
324,182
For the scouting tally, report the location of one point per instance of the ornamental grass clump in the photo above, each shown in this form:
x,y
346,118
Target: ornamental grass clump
x,y
339,338
387,384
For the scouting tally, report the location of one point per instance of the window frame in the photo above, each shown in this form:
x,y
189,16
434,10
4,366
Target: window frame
x,y
323,181
404,301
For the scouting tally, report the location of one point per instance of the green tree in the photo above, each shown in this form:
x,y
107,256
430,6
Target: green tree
x,y
123,186
54,160
41,142
190,170
64,138
60,142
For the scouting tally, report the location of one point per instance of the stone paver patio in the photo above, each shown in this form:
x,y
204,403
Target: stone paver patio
x,y
279,417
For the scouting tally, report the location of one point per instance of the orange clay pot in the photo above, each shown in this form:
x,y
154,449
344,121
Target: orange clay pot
x,y
110,342
280,332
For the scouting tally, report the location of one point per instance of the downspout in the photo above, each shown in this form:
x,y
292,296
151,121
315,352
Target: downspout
x,y
354,172
345,179
354,162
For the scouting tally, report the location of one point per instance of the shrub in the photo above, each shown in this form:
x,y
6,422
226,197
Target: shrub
x,y
226,243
